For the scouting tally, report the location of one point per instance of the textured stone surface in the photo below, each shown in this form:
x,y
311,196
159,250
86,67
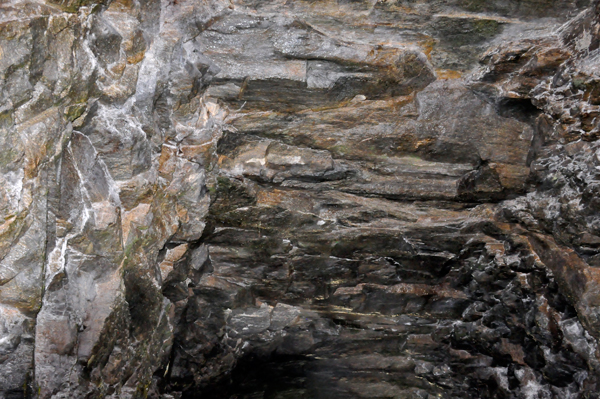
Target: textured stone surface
x,y
299,199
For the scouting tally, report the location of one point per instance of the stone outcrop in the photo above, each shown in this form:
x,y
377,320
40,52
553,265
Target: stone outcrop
x,y
299,199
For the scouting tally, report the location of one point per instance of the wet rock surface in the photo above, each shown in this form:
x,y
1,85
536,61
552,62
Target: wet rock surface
x,y
308,199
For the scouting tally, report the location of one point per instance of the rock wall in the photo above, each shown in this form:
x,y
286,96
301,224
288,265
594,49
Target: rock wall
x,y
299,199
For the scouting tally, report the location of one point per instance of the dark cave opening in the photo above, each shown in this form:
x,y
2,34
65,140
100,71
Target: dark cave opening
x,y
266,377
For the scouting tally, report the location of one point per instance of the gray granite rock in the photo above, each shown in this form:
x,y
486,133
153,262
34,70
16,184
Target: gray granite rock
x,y
299,199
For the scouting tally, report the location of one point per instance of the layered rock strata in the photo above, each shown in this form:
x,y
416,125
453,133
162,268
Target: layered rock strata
x,y
307,199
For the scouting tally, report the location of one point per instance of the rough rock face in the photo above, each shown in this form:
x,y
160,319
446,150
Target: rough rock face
x,y
299,199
